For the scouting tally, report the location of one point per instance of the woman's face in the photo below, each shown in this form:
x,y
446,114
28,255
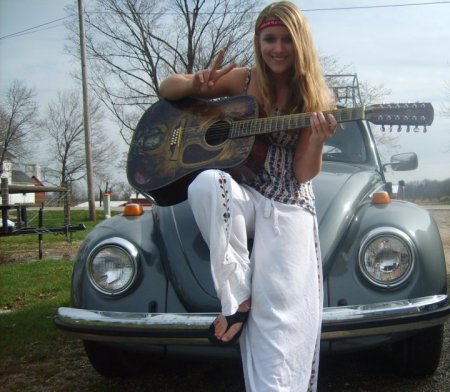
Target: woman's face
x,y
277,49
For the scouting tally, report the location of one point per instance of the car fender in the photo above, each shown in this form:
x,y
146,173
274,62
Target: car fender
x,y
151,282
346,283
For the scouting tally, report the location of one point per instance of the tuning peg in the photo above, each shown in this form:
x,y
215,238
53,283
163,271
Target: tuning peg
x,y
383,129
425,129
390,128
416,129
399,129
408,129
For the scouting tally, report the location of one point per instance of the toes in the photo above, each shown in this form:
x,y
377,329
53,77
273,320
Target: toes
x,y
231,333
220,326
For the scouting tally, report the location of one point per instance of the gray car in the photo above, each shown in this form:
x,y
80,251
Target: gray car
x,y
142,288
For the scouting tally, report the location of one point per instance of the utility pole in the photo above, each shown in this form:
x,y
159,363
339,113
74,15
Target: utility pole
x,y
86,111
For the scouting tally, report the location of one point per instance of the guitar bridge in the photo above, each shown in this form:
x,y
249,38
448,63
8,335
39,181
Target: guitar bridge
x,y
175,142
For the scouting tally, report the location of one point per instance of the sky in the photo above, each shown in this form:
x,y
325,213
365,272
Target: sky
x,y
400,44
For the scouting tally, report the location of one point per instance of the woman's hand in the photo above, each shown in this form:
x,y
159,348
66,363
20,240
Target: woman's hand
x,y
322,128
204,80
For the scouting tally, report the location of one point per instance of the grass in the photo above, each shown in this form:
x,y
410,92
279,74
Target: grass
x,y
31,291
29,296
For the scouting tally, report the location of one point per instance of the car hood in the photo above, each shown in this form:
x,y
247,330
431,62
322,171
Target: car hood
x,y
339,190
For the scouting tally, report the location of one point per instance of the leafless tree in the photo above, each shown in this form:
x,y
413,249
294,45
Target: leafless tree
x,y
134,44
18,118
64,125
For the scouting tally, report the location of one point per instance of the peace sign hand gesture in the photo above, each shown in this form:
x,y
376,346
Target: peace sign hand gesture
x,y
206,79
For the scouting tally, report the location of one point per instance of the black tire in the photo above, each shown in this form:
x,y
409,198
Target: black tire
x,y
420,354
111,362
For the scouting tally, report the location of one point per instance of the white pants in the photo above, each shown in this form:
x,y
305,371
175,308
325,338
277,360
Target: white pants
x,y
280,343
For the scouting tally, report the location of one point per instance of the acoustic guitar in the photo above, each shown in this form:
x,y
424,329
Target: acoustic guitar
x,y
175,140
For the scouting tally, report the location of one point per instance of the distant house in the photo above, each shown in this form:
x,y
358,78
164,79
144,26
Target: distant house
x,y
25,175
19,178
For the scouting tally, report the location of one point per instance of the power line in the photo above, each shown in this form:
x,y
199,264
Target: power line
x,y
32,30
19,34
375,6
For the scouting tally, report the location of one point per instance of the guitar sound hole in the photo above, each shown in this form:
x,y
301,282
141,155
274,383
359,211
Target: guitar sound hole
x,y
217,133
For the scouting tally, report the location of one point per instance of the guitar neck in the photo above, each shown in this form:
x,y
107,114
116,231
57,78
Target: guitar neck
x,y
259,126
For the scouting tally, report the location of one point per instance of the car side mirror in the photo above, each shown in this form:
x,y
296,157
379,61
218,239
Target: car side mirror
x,y
404,161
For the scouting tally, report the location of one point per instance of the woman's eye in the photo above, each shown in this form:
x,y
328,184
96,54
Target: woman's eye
x,y
269,39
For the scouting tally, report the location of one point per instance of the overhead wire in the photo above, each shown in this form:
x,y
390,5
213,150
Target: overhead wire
x,y
36,29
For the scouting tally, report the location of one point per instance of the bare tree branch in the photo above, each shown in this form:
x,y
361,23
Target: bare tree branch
x,y
64,124
134,44
18,119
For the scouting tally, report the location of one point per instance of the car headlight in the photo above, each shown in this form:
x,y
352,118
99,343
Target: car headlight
x,y
386,257
112,266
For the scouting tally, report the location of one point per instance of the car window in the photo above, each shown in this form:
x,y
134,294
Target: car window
x,y
347,144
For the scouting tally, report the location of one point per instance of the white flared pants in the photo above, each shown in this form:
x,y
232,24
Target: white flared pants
x,y
282,276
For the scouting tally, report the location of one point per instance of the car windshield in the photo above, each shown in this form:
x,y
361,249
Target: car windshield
x,y
347,144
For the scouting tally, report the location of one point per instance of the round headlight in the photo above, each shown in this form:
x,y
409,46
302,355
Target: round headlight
x,y
112,266
386,257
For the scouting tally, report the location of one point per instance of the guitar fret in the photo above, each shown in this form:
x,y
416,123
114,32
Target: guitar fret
x,y
266,125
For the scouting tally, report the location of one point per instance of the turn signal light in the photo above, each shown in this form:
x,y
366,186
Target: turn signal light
x,y
133,210
381,198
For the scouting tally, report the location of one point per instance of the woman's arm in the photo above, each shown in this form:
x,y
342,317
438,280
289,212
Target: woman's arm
x,y
308,155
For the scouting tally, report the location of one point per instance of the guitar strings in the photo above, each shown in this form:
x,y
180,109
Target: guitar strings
x,y
255,126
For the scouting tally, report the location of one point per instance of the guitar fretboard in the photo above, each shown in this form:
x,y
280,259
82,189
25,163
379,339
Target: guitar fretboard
x,y
261,126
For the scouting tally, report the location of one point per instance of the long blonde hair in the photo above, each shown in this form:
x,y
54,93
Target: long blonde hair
x,y
309,89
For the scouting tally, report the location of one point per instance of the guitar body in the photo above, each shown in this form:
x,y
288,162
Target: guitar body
x,y
175,140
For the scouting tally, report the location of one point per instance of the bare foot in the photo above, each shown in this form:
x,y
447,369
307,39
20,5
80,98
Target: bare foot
x,y
221,324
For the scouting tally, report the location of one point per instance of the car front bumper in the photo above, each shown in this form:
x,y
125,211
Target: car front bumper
x,y
192,328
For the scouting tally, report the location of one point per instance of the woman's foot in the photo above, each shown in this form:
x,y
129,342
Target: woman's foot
x,y
228,329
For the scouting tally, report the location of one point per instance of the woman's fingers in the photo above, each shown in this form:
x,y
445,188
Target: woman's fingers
x,y
322,127
218,60
215,72
208,77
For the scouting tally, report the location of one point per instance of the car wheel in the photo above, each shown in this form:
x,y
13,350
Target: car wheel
x,y
419,355
111,362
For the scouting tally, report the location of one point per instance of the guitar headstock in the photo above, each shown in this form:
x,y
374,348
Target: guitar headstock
x,y
401,114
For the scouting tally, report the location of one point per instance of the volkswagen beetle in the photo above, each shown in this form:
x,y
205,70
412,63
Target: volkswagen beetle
x,y
142,286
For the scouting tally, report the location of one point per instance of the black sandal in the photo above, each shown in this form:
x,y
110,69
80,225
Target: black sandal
x,y
238,317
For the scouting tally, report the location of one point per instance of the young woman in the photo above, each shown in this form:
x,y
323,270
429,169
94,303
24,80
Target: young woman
x,y
271,293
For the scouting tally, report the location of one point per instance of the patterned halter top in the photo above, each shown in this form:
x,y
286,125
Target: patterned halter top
x,y
277,180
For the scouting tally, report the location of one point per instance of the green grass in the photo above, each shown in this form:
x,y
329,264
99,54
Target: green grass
x,y
31,291
29,297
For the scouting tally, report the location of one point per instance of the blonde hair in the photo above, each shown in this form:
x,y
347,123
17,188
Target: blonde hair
x,y
309,89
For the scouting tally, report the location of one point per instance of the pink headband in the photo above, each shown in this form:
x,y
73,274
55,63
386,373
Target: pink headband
x,y
269,23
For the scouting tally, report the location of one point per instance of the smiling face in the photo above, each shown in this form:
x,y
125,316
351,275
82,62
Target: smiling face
x,y
277,49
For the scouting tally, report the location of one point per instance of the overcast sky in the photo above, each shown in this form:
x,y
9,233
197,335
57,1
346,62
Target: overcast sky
x,y
405,47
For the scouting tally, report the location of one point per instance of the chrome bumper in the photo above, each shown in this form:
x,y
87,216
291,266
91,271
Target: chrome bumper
x,y
191,328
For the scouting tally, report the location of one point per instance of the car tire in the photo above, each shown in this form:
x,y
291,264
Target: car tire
x,y
111,362
420,354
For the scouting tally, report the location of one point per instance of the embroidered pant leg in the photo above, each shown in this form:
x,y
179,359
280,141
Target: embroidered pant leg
x,y
279,343
224,213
